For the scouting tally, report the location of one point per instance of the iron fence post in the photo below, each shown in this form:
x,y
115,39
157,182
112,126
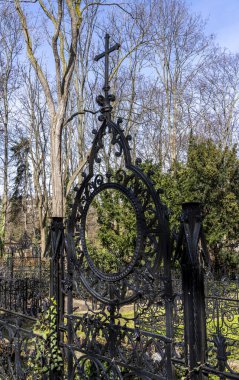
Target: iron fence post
x,y
168,296
56,272
69,298
192,258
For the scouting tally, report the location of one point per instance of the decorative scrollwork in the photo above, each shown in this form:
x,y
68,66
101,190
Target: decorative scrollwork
x,y
142,354
133,277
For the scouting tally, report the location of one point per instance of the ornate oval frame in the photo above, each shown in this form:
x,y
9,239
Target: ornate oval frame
x,y
152,224
139,235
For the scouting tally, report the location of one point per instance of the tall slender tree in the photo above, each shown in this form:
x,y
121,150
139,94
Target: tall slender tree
x,y
10,48
64,67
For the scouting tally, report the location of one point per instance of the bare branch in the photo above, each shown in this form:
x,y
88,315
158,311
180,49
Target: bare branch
x,y
80,113
21,1
33,59
76,20
76,173
114,72
109,4
58,33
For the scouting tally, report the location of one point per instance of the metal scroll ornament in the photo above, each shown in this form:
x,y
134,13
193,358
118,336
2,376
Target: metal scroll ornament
x,y
126,276
118,224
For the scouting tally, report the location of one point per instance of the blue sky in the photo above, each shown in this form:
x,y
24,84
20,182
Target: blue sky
x,y
223,20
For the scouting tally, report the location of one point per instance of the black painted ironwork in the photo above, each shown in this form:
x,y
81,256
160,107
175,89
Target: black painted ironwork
x,y
111,346
125,309
24,283
210,307
57,278
23,295
192,260
222,310
24,290
104,101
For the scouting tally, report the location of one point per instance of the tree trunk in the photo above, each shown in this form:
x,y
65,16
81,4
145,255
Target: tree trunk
x,y
56,162
5,175
5,181
42,228
56,173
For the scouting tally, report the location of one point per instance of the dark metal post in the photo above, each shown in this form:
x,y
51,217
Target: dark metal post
x,y
193,289
12,261
69,300
57,252
168,296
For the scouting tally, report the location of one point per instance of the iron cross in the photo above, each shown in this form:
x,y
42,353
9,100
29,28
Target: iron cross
x,y
106,54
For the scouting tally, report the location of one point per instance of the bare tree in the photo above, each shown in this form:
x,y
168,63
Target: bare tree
x,y
10,48
35,121
217,108
158,76
64,67
179,52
